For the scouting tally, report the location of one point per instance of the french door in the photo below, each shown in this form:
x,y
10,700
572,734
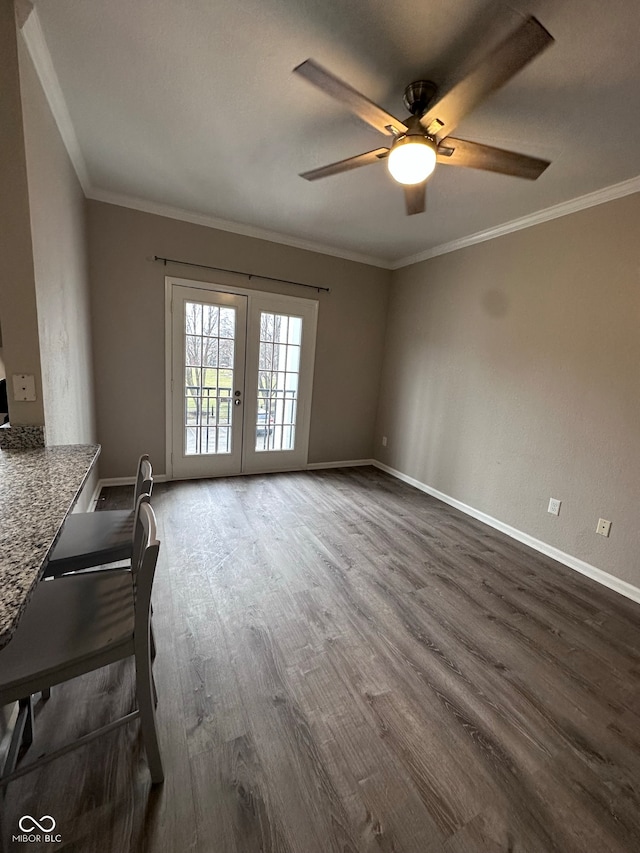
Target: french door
x,y
241,367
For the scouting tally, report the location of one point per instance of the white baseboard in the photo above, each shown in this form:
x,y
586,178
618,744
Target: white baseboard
x,y
348,463
596,574
129,481
123,481
162,478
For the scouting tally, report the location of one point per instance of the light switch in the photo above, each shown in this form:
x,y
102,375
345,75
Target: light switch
x,y
24,387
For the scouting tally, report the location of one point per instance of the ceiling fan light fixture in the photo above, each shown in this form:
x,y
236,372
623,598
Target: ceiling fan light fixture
x,y
412,159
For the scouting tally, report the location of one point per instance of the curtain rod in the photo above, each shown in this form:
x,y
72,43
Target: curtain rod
x,y
250,275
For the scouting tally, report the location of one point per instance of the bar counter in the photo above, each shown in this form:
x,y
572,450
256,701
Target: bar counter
x,y
38,488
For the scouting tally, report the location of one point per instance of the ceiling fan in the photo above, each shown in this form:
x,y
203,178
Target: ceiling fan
x,y
423,140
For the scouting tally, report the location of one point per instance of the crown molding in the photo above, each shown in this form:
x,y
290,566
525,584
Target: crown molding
x,y
39,52
171,212
565,208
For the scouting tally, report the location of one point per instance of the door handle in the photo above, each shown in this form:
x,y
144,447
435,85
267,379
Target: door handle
x,y
237,402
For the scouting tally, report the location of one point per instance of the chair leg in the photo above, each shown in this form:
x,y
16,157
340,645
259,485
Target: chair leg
x,y
27,735
145,690
22,736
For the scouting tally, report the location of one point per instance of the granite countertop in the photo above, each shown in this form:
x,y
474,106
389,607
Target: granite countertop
x,y
38,488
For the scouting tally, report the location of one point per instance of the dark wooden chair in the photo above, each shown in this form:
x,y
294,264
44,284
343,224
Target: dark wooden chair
x,y
91,539
86,622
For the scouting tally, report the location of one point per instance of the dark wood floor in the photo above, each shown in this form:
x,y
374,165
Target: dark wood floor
x,y
345,664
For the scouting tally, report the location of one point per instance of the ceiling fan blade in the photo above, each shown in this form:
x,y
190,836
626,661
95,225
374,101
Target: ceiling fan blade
x,y
459,152
511,55
346,165
357,103
415,197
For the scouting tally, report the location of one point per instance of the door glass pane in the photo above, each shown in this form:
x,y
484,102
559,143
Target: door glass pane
x,y
208,383
228,323
210,316
278,380
210,352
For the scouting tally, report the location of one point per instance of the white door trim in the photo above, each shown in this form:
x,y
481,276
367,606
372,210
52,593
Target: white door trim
x,y
211,286
307,309
201,462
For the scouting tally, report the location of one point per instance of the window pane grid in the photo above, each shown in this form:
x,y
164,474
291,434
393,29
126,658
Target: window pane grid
x,y
209,361
278,381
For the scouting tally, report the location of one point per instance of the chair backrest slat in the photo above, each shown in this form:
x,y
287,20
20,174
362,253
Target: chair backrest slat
x,y
144,479
143,566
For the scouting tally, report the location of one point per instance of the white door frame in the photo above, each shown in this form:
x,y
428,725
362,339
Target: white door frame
x,y
215,464
256,298
254,461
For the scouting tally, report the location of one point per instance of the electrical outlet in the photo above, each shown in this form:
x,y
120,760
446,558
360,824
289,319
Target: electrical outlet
x,y
554,506
384,440
24,387
603,527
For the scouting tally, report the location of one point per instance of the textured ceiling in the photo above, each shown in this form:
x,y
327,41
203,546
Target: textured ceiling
x,y
193,105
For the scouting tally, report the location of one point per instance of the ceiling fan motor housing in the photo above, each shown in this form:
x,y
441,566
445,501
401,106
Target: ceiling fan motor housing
x,y
418,96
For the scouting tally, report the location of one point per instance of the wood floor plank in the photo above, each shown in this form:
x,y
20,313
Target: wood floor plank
x,y
292,762
347,665
551,710
450,705
527,642
355,752
234,805
478,834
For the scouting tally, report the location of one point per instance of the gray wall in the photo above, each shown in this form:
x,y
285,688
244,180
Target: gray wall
x,y
56,204
129,332
511,375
